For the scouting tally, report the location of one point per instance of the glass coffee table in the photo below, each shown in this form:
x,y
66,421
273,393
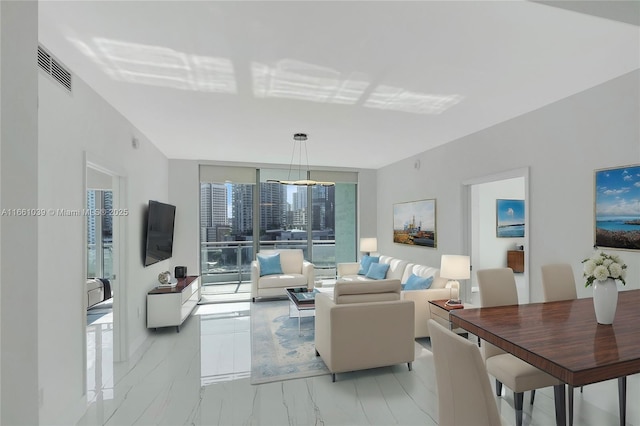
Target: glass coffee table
x,y
302,303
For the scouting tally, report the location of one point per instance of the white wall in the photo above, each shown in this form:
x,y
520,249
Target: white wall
x,y
562,144
19,178
367,210
184,193
69,125
1,127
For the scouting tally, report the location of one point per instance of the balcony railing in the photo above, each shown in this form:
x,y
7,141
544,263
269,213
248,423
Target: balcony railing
x,y
97,267
230,261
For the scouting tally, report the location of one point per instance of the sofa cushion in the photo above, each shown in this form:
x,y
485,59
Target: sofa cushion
x,y
377,271
283,281
425,271
291,261
366,262
269,264
396,267
367,291
417,283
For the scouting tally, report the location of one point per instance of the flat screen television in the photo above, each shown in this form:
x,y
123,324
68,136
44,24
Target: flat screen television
x,y
159,235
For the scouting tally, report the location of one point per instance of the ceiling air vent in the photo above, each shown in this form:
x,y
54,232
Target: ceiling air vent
x,y
54,68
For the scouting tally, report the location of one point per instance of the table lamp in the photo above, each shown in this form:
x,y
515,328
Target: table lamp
x,y
455,267
368,245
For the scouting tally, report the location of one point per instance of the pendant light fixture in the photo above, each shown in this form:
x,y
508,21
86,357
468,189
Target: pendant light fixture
x,y
300,143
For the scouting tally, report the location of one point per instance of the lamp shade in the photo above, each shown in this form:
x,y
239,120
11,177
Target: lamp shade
x,y
455,267
368,244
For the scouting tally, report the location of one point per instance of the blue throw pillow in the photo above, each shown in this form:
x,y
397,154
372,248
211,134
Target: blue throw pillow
x,y
377,271
415,282
269,264
365,262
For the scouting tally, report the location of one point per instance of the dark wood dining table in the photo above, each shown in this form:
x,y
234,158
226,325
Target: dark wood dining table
x,y
565,340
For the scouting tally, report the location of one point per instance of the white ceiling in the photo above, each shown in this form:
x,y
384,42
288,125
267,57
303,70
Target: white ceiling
x,y
370,82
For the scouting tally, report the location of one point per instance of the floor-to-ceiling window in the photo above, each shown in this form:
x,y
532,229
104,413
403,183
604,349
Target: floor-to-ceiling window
x,y
99,233
226,224
284,213
234,213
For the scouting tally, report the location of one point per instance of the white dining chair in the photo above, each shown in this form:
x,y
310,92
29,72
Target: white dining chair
x,y
464,390
559,283
498,288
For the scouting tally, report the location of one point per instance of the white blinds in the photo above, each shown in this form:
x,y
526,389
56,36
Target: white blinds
x,y
220,174
334,176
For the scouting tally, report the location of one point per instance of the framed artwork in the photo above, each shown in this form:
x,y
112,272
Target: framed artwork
x,y
509,218
414,223
617,209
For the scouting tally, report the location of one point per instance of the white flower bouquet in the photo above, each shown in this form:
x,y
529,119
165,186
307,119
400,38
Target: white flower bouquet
x,y
602,266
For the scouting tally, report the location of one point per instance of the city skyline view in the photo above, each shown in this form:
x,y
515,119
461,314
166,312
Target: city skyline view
x,y
228,207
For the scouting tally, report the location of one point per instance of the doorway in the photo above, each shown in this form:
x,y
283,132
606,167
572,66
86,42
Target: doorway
x,y
103,292
485,241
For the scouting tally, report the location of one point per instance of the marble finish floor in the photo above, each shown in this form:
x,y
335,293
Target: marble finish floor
x,y
200,376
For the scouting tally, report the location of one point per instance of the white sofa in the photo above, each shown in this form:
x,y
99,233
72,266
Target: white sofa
x,y
364,325
296,272
401,270
98,290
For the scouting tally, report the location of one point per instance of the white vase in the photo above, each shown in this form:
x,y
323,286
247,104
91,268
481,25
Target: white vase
x,y
605,300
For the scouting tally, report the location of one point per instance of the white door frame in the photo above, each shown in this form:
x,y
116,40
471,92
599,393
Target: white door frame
x,y
467,225
119,191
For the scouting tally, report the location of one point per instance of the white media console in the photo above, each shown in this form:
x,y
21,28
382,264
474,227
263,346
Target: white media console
x,y
170,307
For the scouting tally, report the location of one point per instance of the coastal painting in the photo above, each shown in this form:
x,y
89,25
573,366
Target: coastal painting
x,y
509,218
414,223
617,207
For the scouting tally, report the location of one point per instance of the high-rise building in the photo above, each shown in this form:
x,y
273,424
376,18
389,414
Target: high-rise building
x,y
299,201
205,203
273,206
91,219
213,208
99,200
323,209
242,209
107,219
298,219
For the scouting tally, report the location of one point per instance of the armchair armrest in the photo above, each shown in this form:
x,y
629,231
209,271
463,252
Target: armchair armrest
x,y
348,268
308,270
255,275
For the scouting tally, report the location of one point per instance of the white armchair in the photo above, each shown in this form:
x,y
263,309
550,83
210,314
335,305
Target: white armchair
x,y
296,272
365,325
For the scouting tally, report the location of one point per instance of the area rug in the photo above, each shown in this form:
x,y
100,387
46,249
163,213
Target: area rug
x,y
277,351
98,311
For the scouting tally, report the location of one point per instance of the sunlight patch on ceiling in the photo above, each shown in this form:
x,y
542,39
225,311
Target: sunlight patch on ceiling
x,y
160,66
398,99
293,79
287,79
